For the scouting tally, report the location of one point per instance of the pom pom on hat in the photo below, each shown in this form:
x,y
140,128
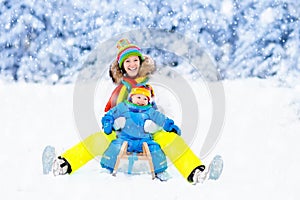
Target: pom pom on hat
x,y
126,49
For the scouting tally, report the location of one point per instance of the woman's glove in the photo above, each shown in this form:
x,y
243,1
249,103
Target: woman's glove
x,y
119,123
151,127
107,124
169,126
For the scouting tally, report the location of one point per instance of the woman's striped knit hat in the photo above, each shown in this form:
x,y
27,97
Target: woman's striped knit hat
x,y
126,49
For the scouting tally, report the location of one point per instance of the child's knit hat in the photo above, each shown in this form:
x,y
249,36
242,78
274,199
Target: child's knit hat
x,y
126,49
146,90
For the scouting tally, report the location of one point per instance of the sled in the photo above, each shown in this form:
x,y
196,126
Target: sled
x,y
145,155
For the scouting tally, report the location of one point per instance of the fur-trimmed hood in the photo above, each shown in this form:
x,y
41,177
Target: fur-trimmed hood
x,y
147,68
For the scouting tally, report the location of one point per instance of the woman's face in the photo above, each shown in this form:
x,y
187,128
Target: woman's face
x,y
132,66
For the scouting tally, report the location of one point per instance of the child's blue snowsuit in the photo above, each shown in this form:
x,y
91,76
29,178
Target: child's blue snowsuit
x,y
133,132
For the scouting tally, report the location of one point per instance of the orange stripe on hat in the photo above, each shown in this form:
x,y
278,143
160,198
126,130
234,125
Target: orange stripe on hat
x,y
127,49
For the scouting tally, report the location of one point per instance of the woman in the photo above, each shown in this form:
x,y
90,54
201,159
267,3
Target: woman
x,y
130,69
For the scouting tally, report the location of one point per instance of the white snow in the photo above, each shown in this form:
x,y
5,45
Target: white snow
x,y
227,8
267,17
259,145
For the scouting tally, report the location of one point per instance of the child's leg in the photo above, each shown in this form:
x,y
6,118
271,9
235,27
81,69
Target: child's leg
x,y
178,152
92,146
109,157
158,157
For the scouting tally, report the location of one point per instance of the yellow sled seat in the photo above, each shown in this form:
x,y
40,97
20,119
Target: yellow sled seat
x,y
178,152
86,150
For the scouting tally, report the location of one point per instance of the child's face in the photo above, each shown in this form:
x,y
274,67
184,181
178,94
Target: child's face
x,y
139,99
132,66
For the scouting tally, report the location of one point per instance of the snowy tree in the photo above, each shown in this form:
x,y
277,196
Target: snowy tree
x,y
47,41
263,31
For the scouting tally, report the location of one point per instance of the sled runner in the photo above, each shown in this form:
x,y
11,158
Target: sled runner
x,y
131,156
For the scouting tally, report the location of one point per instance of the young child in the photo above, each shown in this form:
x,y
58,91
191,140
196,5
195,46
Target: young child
x,y
136,111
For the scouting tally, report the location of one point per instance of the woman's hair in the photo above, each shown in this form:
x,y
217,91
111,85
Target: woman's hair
x,y
116,73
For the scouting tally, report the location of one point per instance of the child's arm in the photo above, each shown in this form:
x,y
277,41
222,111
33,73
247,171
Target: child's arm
x,y
163,121
169,126
107,123
109,118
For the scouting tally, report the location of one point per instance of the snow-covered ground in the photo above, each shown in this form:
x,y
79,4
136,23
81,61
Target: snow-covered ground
x,y
259,145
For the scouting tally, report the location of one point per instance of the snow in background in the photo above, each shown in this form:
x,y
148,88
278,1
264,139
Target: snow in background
x,y
47,41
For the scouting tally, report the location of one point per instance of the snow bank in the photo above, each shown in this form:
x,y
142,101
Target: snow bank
x,y
259,145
